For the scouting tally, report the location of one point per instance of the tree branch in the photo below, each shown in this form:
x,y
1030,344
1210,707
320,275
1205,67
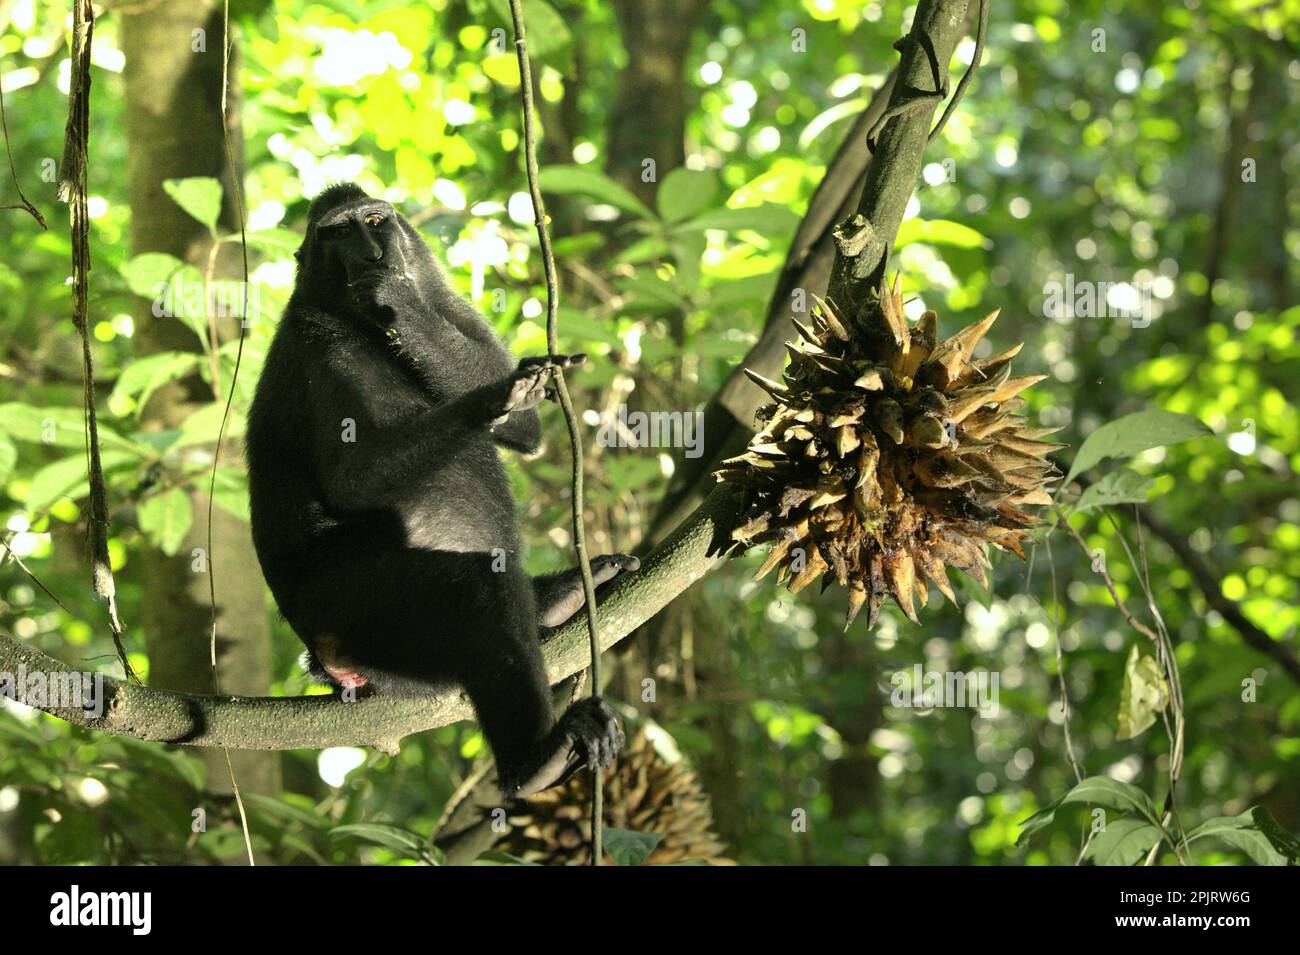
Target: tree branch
x,y
1207,581
314,722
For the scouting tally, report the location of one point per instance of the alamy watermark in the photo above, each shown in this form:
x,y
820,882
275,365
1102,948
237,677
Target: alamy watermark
x,y
61,689
653,429
918,689
1084,299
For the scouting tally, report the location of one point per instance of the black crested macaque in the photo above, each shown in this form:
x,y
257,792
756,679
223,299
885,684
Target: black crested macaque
x,y
381,513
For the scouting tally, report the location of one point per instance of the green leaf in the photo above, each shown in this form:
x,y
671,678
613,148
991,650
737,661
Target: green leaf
x,y
204,425
768,219
145,273
409,844
1133,434
1241,833
1038,820
67,477
56,427
282,242
200,196
686,192
544,28
285,809
940,232
1145,694
166,518
231,491
751,288
649,291
1280,839
592,184
631,848
1123,842
1118,487
1113,794
143,376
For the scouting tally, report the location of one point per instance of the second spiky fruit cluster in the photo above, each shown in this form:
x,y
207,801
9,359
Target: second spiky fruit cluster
x,y
889,455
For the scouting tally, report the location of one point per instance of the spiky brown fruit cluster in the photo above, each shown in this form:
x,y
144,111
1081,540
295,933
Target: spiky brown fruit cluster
x,y
888,456
644,792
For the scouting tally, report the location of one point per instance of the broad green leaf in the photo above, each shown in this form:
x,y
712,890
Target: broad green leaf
x,y
204,425
1038,820
231,491
1145,694
631,848
1280,839
1113,794
688,255
1118,487
1133,434
940,232
56,427
166,518
147,272
592,184
686,192
67,477
1123,842
1240,832
579,325
545,29
751,288
650,291
391,837
283,242
143,376
768,219
200,196
285,809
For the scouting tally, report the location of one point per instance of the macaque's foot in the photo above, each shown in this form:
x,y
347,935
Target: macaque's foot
x,y
594,728
528,384
588,734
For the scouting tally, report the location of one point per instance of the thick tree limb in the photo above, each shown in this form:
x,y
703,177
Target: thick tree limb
x,y
313,722
729,414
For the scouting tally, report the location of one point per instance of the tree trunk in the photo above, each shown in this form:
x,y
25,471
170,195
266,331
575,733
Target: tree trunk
x,y
173,94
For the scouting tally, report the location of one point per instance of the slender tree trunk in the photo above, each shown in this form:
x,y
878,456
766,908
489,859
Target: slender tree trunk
x,y
173,90
648,118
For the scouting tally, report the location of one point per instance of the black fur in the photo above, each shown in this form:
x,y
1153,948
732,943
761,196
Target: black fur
x,y
395,555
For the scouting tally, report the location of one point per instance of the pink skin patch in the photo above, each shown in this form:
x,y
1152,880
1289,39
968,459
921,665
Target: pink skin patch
x,y
347,679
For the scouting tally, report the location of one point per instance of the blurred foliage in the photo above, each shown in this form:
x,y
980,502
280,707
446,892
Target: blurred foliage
x,y
1098,141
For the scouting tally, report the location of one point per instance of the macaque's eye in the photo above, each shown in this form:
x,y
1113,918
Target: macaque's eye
x,y
336,231
374,220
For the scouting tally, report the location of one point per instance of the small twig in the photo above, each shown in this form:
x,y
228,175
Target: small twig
x,y
966,77
566,403
1060,667
1133,622
13,171
11,554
